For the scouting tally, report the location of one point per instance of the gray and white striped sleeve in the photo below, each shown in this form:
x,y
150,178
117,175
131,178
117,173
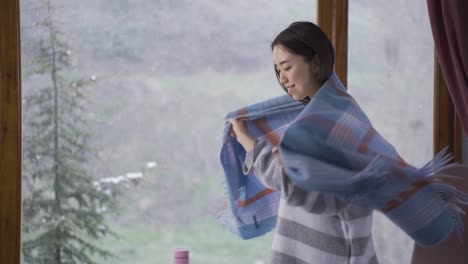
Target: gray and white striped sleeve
x,y
264,164
268,171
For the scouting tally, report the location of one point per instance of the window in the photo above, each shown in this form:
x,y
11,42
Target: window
x,y
133,97
8,215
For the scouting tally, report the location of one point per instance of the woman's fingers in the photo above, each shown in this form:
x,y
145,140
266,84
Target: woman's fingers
x,y
234,127
238,126
236,122
275,150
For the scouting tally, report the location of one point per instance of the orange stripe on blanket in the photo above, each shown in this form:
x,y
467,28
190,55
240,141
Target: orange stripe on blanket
x,y
401,161
271,135
243,111
364,145
416,186
258,196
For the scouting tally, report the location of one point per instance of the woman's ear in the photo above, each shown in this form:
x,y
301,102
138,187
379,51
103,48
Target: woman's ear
x,y
316,69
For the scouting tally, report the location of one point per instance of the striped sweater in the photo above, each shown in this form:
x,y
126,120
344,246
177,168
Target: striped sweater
x,y
311,227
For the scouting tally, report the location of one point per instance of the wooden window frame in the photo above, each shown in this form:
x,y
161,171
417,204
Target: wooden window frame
x,y
332,18
447,127
10,135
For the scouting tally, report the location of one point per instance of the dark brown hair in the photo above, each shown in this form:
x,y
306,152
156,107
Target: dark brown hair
x,y
307,39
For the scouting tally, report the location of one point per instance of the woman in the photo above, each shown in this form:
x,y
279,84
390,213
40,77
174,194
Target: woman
x,y
312,227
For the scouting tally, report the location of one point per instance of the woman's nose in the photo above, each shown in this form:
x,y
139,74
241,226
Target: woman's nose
x,y
283,78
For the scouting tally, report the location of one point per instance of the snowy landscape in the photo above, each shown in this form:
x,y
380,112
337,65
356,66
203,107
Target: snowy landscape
x,y
163,74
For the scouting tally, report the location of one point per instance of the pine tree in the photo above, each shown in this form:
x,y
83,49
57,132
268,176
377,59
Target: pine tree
x,y
63,209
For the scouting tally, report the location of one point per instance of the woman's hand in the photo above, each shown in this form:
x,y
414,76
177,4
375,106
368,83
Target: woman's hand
x,y
239,131
276,152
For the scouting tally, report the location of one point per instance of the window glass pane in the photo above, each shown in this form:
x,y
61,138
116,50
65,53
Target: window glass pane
x,y
123,107
391,66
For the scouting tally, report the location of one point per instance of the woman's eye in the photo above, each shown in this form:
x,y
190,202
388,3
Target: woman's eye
x,y
287,68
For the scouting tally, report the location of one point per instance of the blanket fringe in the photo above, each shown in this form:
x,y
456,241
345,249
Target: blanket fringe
x,y
452,197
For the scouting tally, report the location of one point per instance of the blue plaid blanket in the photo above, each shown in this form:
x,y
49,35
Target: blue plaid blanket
x,y
330,145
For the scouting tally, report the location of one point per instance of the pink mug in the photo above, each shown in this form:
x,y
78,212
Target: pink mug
x,y
181,256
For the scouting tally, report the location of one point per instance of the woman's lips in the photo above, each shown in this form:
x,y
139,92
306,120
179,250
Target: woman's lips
x,y
290,89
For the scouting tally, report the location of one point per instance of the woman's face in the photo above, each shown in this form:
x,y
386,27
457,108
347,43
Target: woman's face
x,y
295,74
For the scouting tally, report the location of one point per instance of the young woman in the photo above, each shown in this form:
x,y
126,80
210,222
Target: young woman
x,y
311,227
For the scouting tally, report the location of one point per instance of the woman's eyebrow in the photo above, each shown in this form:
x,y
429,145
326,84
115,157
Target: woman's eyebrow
x,y
283,62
